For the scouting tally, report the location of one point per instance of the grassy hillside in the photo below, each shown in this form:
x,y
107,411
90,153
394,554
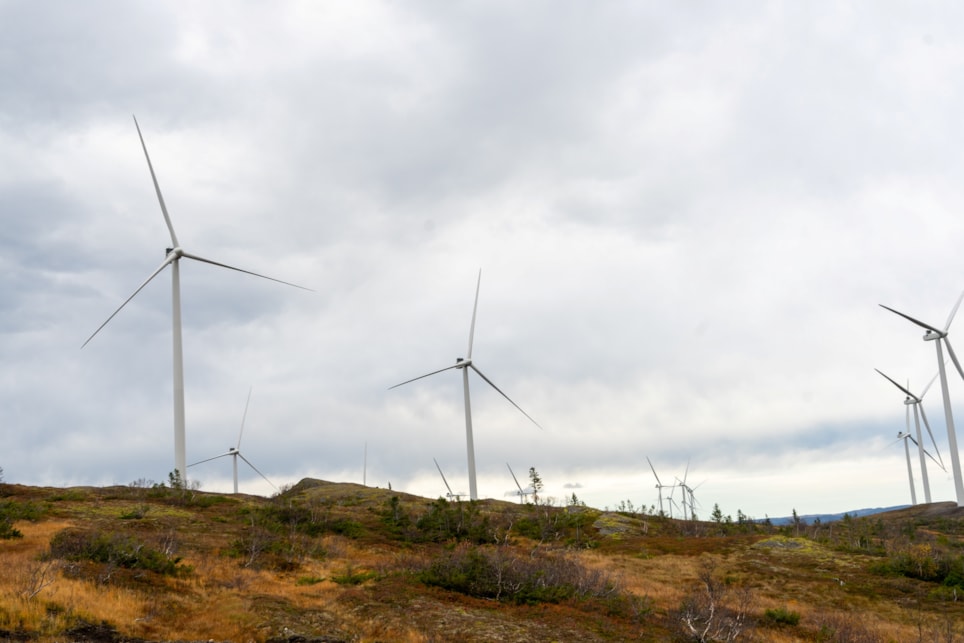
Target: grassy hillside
x,y
342,562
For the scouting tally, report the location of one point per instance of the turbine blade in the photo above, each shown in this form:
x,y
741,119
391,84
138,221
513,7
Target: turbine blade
x,y
243,417
443,476
209,459
514,478
447,368
950,350
894,382
654,472
475,309
258,472
489,382
927,425
157,188
247,272
170,259
911,319
929,384
950,317
927,453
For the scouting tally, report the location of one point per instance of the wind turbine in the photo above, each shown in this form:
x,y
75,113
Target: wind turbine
x,y
937,336
235,453
464,364
450,494
910,470
659,488
688,492
905,436
522,493
915,401
172,258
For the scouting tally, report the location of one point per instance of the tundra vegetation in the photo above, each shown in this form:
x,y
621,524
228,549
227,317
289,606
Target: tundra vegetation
x,y
342,562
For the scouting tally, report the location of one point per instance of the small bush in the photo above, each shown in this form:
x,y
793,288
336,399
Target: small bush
x,y
7,530
310,580
114,549
781,616
851,628
21,510
137,513
351,577
457,521
11,511
501,574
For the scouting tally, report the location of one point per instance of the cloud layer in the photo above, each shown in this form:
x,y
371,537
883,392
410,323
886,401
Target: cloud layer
x,y
685,220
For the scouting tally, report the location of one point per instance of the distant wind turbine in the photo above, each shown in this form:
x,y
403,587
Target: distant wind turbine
x,y
916,402
659,489
938,336
522,493
450,494
689,499
465,364
172,258
910,469
235,453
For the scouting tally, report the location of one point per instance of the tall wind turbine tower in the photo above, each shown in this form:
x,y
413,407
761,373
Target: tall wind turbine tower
x,y
916,402
464,364
938,336
910,470
172,258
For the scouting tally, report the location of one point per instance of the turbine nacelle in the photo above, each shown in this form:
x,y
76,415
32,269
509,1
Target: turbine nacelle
x,y
931,335
461,362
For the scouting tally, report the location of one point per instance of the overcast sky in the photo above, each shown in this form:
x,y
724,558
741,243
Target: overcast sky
x,y
685,215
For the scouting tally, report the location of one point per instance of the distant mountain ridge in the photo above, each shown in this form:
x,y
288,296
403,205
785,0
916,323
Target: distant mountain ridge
x,y
825,518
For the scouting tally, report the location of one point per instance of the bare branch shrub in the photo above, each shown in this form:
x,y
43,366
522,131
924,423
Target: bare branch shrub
x,y
35,576
713,611
839,627
503,574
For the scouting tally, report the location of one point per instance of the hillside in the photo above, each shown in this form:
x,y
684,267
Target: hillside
x,y
334,562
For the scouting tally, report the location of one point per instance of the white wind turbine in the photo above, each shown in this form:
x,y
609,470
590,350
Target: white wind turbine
x,y
235,453
915,401
938,336
465,364
659,489
689,499
910,469
905,436
450,494
522,493
172,258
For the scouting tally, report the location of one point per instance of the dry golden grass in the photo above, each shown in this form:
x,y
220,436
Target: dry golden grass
x,y
364,587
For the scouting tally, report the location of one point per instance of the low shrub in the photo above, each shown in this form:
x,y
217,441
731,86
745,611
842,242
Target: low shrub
x,y
114,549
7,530
351,577
309,580
501,574
781,616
